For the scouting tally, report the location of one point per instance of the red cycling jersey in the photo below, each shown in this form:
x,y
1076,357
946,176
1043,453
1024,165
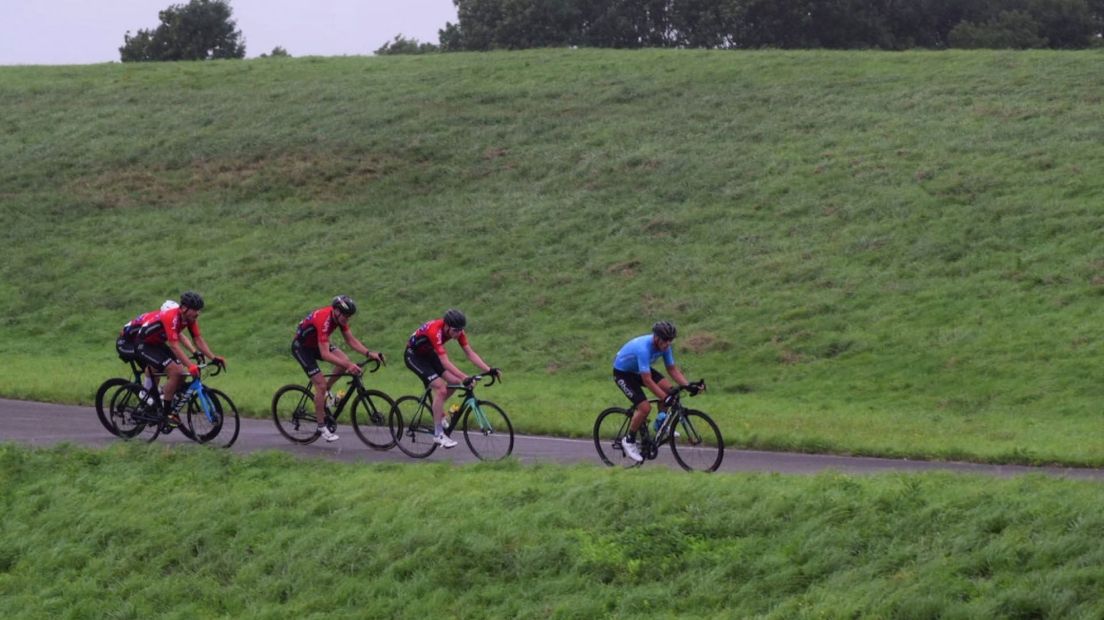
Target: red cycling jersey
x,y
431,338
314,331
132,326
165,326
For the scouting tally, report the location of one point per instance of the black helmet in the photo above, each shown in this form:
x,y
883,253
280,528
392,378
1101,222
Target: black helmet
x,y
665,330
191,299
344,305
455,319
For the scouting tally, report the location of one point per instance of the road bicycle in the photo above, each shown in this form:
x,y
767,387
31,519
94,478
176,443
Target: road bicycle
x,y
486,427
694,438
293,411
203,413
107,389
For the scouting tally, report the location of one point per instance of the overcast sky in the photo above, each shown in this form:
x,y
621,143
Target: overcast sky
x,y
57,32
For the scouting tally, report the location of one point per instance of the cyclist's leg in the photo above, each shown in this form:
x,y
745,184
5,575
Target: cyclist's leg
x,y
432,373
632,387
159,358
308,360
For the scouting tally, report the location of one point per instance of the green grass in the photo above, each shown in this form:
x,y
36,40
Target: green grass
x,y
143,531
875,253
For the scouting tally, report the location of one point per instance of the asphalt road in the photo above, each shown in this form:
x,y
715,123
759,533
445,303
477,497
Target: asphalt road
x,y
44,424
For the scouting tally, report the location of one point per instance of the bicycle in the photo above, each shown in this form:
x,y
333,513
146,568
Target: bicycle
x,y
293,411
206,411
695,440
486,427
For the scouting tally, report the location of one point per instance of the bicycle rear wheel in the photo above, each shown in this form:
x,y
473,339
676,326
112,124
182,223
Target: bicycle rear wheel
x,y
609,428
231,423
699,445
103,402
293,412
411,424
370,414
489,436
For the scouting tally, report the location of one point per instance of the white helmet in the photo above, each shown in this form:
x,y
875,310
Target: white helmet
x,y
169,305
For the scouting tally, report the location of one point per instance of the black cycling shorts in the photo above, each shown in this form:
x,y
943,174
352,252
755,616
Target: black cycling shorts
x,y
427,367
127,349
308,357
632,385
156,356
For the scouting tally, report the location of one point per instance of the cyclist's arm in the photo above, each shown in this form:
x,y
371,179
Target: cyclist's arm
x,y
447,364
677,375
186,340
336,357
475,359
355,344
178,352
201,344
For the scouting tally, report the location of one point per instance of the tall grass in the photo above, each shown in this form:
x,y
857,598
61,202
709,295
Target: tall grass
x,y
143,531
877,253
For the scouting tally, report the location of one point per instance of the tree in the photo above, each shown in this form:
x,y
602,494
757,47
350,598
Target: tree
x,y
277,52
1009,30
199,30
403,45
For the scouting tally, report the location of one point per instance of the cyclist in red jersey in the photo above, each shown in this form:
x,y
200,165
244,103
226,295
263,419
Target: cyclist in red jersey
x,y
126,345
160,348
312,343
426,357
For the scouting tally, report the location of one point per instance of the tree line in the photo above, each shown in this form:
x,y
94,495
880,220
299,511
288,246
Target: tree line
x,y
752,24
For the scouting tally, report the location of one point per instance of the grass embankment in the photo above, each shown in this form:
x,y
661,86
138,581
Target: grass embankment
x,y
874,253
136,532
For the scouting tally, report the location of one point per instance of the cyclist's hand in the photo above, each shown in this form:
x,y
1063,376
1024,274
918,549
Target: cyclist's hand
x,y
468,381
668,401
496,373
378,356
193,370
694,388
353,369
219,360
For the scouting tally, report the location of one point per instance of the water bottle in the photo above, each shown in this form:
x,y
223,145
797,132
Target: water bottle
x,y
659,420
453,410
146,397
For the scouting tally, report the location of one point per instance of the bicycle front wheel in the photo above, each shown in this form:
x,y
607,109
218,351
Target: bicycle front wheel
x,y
370,414
698,445
411,424
488,432
231,423
293,412
609,429
203,422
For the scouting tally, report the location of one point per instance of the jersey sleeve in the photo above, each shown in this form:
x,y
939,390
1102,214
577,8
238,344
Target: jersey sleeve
x,y
436,335
669,356
462,339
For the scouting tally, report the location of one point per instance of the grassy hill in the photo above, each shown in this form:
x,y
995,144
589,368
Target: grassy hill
x,y
879,253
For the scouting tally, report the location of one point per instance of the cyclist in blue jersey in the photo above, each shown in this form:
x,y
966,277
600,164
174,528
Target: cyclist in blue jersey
x,y
632,371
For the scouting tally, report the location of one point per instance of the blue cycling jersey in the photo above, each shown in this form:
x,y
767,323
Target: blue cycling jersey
x,y
638,354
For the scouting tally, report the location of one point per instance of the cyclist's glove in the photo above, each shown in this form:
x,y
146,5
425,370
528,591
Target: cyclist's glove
x,y
468,381
496,373
193,370
693,388
219,361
